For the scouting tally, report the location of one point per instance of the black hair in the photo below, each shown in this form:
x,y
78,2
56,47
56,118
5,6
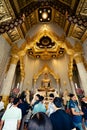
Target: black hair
x,y
51,95
1,97
40,121
41,98
57,102
22,99
38,95
16,100
71,95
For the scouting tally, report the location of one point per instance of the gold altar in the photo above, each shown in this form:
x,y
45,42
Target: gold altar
x,y
46,87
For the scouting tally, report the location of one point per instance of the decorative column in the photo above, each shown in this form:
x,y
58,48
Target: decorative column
x,y
82,71
7,84
22,73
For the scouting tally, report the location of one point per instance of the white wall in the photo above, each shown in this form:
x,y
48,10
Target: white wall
x,y
4,55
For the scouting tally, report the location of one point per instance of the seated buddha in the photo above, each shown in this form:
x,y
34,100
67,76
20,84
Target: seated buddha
x,y
45,81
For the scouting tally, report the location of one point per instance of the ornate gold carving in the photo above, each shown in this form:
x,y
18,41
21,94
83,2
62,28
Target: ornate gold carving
x,y
23,3
82,8
71,29
14,49
67,2
7,38
6,12
45,69
78,52
78,58
14,59
66,25
14,34
69,51
59,18
24,28
31,19
70,67
84,36
14,54
22,68
78,31
46,53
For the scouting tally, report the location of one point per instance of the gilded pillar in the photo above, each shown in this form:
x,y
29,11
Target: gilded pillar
x,y
82,71
7,84
9,77
22,73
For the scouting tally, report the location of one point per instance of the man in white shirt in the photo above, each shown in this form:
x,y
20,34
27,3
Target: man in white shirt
x,y
12,117
50,109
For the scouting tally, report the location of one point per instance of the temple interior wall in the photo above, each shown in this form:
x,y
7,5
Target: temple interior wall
x,y
33,66
59,66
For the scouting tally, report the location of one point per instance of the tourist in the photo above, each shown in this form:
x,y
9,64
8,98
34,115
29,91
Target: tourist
x,y
60,119
40,121
11,99
12,117
84,110
35,100
76,112
40,107
50,105
24,106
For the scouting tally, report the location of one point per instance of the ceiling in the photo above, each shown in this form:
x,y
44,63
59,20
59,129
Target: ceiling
x,y
17,17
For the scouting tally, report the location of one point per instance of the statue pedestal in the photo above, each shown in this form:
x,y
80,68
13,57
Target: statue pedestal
x,y
45,91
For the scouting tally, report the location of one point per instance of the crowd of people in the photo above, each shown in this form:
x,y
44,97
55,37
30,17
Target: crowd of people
x,y
36,115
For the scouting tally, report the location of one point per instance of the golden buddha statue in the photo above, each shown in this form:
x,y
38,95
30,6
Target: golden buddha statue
x,y
46,82
46,87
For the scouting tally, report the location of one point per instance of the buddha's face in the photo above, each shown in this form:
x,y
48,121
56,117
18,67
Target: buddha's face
x,y
46,75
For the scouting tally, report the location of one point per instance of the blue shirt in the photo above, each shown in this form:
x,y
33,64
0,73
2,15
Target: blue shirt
x,y
76,118
40,107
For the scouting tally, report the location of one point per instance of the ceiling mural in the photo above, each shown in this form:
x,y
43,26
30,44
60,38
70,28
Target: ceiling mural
x,y
19,16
